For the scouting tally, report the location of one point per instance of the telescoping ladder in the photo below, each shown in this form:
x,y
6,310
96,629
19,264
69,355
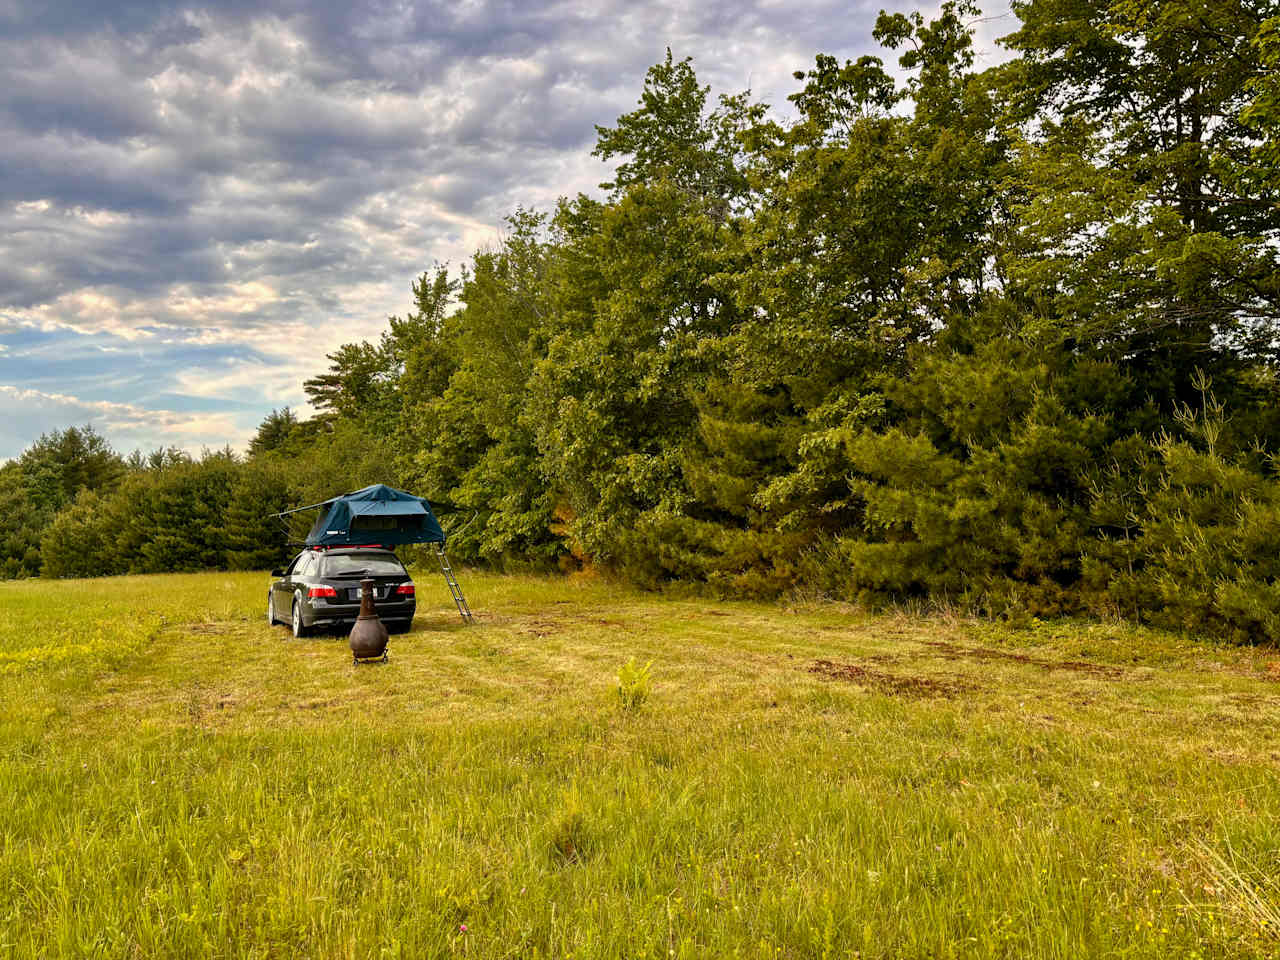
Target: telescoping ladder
x,y
450,579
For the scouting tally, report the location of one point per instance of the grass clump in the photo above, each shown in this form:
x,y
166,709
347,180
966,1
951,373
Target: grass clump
x,y
570,836
1242,887
634,685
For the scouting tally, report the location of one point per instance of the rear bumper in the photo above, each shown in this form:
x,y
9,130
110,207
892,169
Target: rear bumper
x,y
341,614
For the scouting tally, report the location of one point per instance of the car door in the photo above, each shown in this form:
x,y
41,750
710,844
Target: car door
x,y
284,586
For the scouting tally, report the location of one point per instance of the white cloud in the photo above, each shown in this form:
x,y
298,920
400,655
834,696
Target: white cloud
x,y
279,384
126,425
87,311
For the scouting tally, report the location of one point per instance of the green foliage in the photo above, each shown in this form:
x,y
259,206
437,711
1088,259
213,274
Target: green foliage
x,y
1263,113
634,685
1205,559
250,540
155,521
49,476
1143,203
274,432
82,540
21,525
465,430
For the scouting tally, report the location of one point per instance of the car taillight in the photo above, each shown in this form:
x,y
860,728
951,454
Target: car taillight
x,y
322,592
405,589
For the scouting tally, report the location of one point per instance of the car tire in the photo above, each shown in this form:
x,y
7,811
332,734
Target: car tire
x,y
299,628
271,609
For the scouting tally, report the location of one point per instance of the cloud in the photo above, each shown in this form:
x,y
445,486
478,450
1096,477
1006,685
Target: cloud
x,y
127,425
267,178
279,384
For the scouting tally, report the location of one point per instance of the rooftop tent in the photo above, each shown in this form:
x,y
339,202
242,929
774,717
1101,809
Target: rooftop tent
x,y
376,514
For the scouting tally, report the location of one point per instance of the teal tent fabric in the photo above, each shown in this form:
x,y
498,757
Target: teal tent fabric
x,y
377,514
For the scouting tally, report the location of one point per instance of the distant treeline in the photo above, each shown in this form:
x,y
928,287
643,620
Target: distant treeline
x,y
1003,338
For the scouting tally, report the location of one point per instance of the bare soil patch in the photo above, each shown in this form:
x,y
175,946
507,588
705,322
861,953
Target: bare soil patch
x,y
211,627
899,686
541,628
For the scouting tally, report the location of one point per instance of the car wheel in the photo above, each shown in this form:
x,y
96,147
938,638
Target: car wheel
x,y
271,610
298,629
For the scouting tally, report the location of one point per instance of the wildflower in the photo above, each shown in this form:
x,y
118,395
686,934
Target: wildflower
x,y
462,927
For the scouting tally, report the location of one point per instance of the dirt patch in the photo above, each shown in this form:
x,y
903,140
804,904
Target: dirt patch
x,y
314,703
883,658
951,651
898,686
209,627
540,628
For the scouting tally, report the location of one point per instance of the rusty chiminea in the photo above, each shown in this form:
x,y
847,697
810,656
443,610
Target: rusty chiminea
x,y
369,636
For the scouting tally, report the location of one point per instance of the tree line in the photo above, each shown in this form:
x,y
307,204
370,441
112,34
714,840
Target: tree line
x,y
1000,337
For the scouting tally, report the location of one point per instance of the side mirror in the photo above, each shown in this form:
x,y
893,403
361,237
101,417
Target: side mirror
x,y
277,573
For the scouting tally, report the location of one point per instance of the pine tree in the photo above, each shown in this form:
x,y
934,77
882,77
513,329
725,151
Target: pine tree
x,y
250,537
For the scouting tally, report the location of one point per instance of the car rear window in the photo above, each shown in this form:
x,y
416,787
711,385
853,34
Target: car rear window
x,y
366,564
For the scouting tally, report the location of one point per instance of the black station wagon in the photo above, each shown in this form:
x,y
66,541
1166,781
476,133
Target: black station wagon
x,y
321,588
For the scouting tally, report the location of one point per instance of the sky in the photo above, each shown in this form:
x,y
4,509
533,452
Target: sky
x,y
197,203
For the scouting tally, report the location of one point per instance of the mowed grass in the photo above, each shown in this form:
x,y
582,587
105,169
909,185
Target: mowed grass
x,y
805,780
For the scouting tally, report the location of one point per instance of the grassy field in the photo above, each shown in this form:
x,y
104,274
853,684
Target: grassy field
x,y
181,780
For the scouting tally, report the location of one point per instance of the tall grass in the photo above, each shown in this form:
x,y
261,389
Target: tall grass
x,y
222,790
